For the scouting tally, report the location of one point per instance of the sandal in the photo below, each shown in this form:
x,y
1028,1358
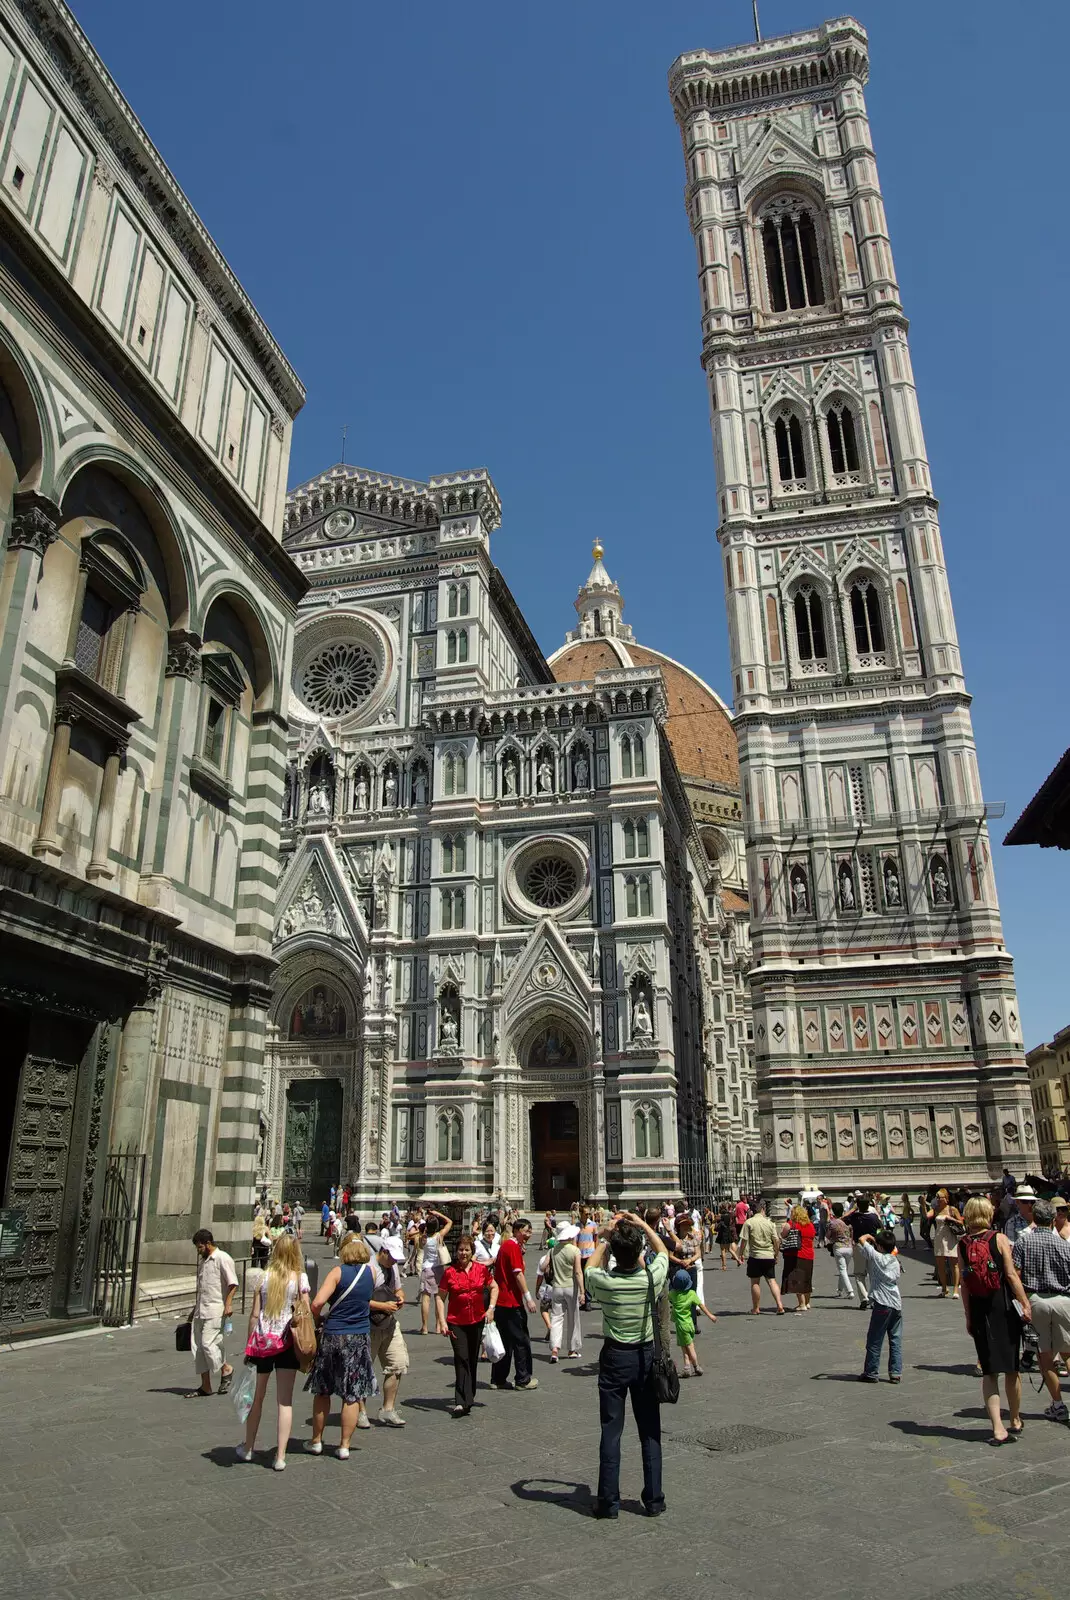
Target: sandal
x,y
199,1394
225,1383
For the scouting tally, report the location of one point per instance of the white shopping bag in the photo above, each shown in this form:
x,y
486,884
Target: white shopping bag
x,y
493,1348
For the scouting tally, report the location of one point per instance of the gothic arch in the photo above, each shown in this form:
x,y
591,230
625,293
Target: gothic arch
x,y
533,1020
309,959
29,443
262,665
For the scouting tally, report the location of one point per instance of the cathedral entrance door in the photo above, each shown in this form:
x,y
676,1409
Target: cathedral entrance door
x,y
555,1154
313,1152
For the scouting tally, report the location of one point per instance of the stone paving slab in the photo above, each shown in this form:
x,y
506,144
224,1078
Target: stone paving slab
x,y
782,1473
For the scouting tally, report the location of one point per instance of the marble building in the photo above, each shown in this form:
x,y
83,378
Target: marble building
x,y
511,926
887,1034
147,604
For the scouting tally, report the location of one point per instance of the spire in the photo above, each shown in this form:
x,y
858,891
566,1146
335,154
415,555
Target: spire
x,y
599,604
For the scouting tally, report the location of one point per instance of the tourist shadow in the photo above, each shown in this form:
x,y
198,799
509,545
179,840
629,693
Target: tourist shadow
x,y
179,1389
834,1377
588,1371
426,1403
934,1430
561,1492
962,1369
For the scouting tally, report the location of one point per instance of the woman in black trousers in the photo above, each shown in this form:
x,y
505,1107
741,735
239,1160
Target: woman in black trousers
x,y
468,1293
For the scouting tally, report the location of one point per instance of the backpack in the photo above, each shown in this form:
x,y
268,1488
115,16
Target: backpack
x,y
983,1270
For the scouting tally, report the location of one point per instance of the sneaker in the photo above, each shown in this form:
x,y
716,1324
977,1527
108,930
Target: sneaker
x,y
314,1447
553,1358
686,1373
342,1452
391,1418
363,1420
279,1464
1057,1411
893,1377
698,1372
532,1383
243,1454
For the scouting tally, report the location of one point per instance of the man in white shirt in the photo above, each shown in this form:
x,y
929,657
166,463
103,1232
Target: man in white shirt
x,y
217,1283
387,1340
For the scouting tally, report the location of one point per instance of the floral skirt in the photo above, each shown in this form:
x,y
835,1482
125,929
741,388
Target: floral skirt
x,y
343,1367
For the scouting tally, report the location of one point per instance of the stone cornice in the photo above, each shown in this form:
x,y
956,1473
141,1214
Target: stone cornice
x,y
60,50
413,505
756,73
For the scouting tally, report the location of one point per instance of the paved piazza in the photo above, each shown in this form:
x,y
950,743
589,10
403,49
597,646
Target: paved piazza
x,y
783,1476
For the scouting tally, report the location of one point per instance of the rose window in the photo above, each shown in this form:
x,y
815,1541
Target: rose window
x,y
551,882
339,679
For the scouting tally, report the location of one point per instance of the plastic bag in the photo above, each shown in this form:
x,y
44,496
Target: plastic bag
x,y
243,1392
493,1348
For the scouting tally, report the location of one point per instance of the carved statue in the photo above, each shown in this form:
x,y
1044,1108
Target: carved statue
x,y
545,775
390,789
583,770
642,1027
891,884
447,1032
319,800
941,885
800,899
419,787
360,792
847,891
509,776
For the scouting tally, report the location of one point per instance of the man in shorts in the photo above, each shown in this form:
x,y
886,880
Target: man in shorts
x,y
759,1245
388,1345
1042,1258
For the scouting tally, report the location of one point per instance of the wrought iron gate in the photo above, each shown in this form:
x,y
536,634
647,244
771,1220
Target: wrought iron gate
x,y
707,1184
119,1246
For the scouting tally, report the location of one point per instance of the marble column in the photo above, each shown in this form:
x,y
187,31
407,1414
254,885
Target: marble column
x,y
47,841
99,866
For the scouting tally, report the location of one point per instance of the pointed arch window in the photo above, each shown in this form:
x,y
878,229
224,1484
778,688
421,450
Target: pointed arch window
x,y
866,618
626,757
450,1136
810,625
639,756
451,648
453,853
451,600
791,456
843,439
629,839
454,774
462,599
640,1139
642,839
462,644
792,261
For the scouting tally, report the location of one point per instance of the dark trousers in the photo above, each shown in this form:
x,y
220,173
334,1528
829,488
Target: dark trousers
x,y
623,1370
512,1323
466,1339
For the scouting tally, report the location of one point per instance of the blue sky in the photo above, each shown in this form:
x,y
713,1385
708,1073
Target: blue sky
x,y
464,224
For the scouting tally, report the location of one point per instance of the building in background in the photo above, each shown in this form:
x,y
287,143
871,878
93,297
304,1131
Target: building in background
x,y
887,1035
502,917
147,604
1049,1085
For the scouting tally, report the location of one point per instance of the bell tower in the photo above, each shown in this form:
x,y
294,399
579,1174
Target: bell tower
x,y
887,1035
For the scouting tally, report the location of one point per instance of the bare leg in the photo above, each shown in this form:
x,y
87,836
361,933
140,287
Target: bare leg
x,y
284,1391
391,1385
1013,1384
350,1413
941,1273
440,1317
321,1410
755,1295
990,1395
724,1259
956,1277
425,1301
1046,1359
252,1421
776,1293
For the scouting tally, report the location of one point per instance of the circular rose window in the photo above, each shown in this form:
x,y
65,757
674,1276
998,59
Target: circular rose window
x,y
338,679
550,882
548,875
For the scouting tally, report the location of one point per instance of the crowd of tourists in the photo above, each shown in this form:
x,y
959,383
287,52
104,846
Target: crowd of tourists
x,y
1005,1254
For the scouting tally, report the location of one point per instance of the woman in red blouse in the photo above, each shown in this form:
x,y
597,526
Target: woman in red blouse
x,y
797,1247
461,1291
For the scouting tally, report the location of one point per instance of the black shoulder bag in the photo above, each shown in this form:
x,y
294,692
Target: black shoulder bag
x,y
664,1380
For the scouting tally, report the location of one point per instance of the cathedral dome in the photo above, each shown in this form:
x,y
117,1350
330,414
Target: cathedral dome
x,y
699,724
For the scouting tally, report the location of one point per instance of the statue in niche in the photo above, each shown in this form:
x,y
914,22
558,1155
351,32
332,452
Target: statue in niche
x,y
360,791
545,774
509,776
419,787
319,800
382,900
847,889
891,884
941,884
642,1026
390,789
449,1033
582,769
800,896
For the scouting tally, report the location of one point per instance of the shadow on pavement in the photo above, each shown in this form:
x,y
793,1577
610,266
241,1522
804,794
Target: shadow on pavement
x,y
556,1492
963,1369
933,1430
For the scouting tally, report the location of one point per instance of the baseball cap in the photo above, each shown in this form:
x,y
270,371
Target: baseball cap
x,y
387,1242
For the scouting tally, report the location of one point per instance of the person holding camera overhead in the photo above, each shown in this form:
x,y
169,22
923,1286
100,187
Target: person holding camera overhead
x,y
627,1355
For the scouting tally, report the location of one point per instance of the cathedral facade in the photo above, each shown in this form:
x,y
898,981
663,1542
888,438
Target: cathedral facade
x,y
511,932
887,1031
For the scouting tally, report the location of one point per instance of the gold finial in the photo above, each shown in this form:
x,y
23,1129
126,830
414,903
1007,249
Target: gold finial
x,y
597,551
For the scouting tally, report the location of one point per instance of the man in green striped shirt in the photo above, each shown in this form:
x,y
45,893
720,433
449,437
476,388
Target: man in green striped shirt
x,y
624,1296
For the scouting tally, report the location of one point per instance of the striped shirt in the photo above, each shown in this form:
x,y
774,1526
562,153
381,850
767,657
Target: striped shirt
x,y
624,1298
1043,1261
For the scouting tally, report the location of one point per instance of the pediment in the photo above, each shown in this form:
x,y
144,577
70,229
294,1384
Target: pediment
x,y
860,553
801,563
780,151
316,896
547,971
835,376
783,387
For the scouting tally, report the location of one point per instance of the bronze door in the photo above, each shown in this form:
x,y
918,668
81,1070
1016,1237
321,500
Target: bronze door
x,y
555,1155
313,1152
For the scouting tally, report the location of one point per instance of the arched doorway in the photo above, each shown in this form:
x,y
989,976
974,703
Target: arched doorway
x,y
312,1161
557,1103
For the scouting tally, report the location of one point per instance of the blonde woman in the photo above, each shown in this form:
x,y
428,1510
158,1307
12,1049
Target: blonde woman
x,y
996,1307
797,1247
947,1230
343,1364
270,1342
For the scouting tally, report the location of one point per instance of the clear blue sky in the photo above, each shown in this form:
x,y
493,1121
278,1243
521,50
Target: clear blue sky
x,y
464,224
